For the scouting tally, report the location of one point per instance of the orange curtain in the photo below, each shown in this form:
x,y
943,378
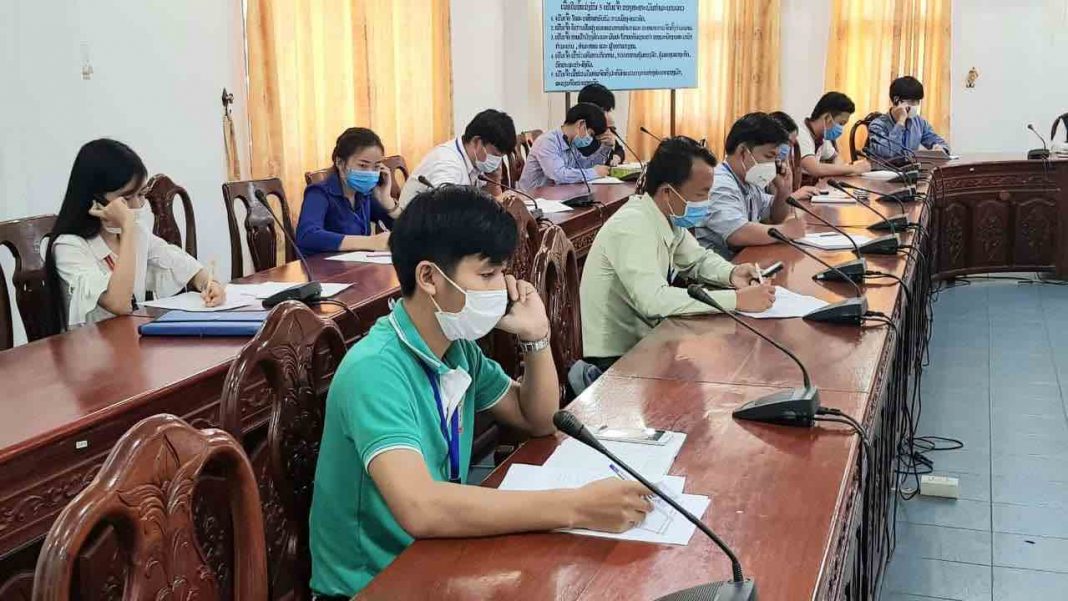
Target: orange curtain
x,y
317,67
873,42
738,72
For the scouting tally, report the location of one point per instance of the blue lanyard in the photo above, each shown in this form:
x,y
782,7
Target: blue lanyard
x,y
463,157
451,432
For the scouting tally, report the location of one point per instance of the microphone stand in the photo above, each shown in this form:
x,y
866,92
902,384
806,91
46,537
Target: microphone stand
x,y
883,245
887,224
849,311
536,212
581,200
794,407
307,293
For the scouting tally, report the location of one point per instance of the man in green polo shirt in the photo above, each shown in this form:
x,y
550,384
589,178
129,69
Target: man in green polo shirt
x,y
627,281
401,410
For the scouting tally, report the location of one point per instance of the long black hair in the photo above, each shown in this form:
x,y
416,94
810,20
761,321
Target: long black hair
x,y
101,166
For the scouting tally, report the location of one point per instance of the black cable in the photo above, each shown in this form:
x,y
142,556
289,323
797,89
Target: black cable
x,y
883,274
330,301
877,317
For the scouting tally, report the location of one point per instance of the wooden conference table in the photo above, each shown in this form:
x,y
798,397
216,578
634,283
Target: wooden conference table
x,y
68,398
790,501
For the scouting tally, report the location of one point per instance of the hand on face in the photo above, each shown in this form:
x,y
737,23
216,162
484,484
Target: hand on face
x,y
526,318
115,214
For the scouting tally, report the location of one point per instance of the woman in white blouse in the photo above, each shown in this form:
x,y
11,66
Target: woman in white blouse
x,y
102,257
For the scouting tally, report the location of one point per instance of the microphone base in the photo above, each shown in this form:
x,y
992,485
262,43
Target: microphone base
x,y
716,591
883,245
897,223
906,195
794,407
305,293
537,214
1040,154
850,311
577,202
908,177
854,271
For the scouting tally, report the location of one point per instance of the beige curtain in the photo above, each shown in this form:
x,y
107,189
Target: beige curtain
x,y
738,72
317,67
872,42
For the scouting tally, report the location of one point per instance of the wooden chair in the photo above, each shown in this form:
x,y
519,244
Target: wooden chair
x,y
856,142
314,177
261,233
160,192
296,353
795,166
23,238
525,140
556,276
170,546
513,167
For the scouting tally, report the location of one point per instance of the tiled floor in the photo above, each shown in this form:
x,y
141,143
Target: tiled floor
x,y
998,380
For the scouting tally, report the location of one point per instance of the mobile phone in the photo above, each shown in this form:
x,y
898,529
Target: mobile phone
x,y
780,167
636,435
771,270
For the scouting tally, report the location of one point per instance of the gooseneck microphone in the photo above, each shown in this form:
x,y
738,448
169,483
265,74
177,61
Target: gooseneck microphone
x,y
423,180
909,173
536,212
308,292
906,194
891,224
737,589
637,157
650,134
582,200
883,245
794,407
1038,153
848,311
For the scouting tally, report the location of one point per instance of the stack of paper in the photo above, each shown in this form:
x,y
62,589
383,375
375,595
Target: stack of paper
x,y
662,525
883,175
789,304
651,461
549,207
832,240
606,180
363,256
833,197
193,301
266,289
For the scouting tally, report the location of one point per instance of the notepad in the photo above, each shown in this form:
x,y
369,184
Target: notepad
x,y
363,256
205,325
662,525
832,240
193,301
881,175
548,207
651,461
608,179
789,304
833,197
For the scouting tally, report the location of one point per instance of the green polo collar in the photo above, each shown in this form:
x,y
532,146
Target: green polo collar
x,y
409,336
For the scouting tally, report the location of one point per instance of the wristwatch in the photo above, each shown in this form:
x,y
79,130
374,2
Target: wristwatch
x,y
535,346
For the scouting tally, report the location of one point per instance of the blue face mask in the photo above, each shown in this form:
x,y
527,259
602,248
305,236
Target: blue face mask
x,y
834,132
696,213
362,181
583,141
784,151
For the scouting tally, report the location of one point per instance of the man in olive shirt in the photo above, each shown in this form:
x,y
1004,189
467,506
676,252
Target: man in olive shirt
x,y
626,283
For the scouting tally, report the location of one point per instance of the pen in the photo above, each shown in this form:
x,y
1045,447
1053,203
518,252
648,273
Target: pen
x,y
619,473
760,274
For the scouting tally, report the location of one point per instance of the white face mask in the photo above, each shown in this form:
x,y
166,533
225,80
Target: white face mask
x,y
490,164
914,110
144,216
760,174
482,310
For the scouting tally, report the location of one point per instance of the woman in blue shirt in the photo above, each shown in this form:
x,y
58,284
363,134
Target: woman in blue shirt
x,y
338,212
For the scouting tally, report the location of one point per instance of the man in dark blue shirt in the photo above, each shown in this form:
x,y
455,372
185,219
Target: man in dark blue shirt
x,y
903,130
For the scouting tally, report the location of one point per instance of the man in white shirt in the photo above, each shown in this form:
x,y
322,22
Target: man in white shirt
x,y
489,137
571,153
816,139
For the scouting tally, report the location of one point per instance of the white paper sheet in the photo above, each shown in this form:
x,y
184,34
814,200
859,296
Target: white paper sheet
x,y
192,301
832,240
833,197
882,175
789,304
662,525
363,256
606,180
651,461
266,289
549,207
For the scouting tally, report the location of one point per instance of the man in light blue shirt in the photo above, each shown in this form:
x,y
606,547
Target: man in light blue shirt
x,y
742,209
903,130
571,153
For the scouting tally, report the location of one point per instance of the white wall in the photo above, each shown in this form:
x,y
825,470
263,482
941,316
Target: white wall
x,y
478,60
803,45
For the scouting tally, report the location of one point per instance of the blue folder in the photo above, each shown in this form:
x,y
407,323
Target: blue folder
x,y
203,324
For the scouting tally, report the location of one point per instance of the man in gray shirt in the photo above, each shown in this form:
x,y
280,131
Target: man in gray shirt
x,y
742,208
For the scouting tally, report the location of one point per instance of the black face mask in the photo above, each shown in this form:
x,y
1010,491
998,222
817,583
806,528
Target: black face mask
x,y
592,148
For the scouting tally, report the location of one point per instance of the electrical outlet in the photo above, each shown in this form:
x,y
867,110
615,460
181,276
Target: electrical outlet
x,y
939,486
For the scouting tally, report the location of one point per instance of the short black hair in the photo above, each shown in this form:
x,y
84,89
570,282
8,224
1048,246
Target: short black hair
x,y
493,127
834,103
785,121
352,140
592,114
445,224
595,93
906,88
672,162
755,129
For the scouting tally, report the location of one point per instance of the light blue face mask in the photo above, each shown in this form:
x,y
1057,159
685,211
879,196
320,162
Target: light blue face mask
x,y
696,213
834,132
362,181
583,142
